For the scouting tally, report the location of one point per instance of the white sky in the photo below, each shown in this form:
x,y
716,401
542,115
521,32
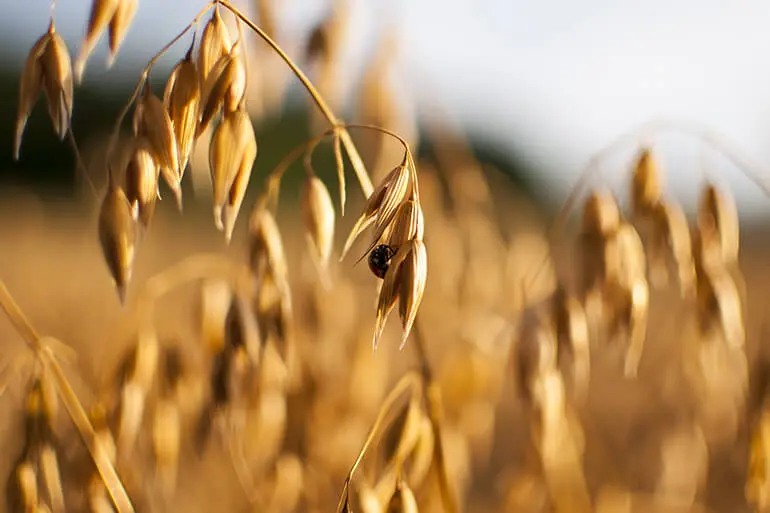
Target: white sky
x,y
552,79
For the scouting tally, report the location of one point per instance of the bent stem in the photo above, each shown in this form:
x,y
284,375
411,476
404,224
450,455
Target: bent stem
x,y
41,347
435,415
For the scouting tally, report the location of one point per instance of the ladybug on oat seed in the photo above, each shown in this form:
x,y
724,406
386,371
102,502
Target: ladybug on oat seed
x,y
379,260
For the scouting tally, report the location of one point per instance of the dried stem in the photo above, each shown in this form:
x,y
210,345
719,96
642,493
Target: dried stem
x,y
41,346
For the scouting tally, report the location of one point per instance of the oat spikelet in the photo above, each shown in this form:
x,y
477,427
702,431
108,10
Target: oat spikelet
x,y
403,500
29,88
119,24
151,120
240,184
381,205
266,251
57,83
413,279
233,150
224,87
718,222
646,188
215,43
142,175
318,216
102,12
182,98
47,68
117,235
408,224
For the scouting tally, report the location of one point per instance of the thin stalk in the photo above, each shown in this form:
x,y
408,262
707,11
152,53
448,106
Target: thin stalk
x,y
41,347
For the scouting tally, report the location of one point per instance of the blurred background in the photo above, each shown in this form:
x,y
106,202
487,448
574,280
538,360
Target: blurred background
x,y
534,89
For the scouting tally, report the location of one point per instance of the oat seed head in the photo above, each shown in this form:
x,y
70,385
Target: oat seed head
x,y
646,188
117,235
102,12
152,121
119,25
181,98
215,43
232,152
30,87
318,217
142,174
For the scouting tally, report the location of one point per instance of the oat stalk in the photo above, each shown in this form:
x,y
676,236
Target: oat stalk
x,y
43,352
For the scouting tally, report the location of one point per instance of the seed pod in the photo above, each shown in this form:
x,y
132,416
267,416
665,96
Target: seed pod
x,y
102,12
29,88
233,148
381,207
674,235
718,222
117,234
601,214
573,345
182,98
24,488
151,120
224,87
214,44
142,175
408,224
239,187
57,83
52,478
389,291
413,279
318,216
119,24
645,184
266,251
719,306
403,500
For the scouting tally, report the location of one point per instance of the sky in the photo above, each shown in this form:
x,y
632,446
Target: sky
x,y
554,81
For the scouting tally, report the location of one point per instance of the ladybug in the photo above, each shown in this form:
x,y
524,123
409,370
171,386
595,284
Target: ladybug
x,y
379,259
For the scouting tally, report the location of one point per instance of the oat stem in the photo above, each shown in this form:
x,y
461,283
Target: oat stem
x,y
350,147
40,346
435,415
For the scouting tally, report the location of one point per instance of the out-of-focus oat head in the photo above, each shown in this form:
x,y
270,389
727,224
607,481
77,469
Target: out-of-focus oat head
x,y
203,324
